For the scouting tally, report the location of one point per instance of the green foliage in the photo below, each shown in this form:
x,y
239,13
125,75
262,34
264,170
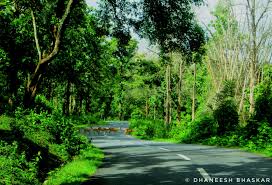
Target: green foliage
x,y
263,104
43,105
225,112
148,129
5,122
52,137
194,132
78,170
87,120
203,127
17,169
224,19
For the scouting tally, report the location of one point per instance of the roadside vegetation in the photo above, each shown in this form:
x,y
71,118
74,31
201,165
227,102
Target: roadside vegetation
x,y
228,101
65,66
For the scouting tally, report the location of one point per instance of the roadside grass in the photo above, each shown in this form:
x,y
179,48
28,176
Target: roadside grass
x,y
265,152
78,170
166,140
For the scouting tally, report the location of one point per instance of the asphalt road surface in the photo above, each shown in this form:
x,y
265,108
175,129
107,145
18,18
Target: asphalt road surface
x,y
131,161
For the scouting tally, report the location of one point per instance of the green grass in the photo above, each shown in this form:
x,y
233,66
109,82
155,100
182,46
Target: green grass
x,y
262,152
167,140
78,170
266,152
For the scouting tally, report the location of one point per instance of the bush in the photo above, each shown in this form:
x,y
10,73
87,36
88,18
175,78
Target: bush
x,y
142,128
160,129
225,113
17,169
148,129
203,127
5,122
263,104
46,129
43,105
226,116
179,131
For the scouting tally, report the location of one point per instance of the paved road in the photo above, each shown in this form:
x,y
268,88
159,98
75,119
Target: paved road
x,y
130,161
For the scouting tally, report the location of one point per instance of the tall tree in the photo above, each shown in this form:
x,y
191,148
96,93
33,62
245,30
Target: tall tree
x,y
259,22
48,52
170,24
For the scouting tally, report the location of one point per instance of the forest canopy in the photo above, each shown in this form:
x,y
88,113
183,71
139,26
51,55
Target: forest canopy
x,y
65,64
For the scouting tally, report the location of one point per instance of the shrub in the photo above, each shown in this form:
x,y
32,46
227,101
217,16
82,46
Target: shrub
x,y
263,105
5,122
203,127
226,116
43,105
225,113
142,128
46,129
160,130
179,131
17,169
149,129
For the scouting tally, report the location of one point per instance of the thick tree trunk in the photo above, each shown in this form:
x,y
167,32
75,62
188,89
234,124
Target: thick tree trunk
x,y
31,90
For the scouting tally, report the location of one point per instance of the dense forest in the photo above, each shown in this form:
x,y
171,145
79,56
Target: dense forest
x,y
64,64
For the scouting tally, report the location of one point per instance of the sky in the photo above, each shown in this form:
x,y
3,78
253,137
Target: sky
x,y
203,15
91,2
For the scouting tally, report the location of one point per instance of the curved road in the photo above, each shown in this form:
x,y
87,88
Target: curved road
x,y
131,161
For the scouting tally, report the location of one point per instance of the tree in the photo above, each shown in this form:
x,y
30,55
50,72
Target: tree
x,y
257,18
167,23
44,56
232,53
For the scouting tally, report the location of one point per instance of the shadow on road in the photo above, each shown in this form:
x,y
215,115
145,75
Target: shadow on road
x,y
129,161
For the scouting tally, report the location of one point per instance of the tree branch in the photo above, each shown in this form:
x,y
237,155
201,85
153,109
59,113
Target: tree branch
x,y
264,12
36,36
57,41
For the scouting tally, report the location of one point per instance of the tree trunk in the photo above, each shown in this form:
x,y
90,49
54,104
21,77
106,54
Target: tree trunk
x,y
35,78
66,103
80,103
179,93
194,94
49,93
31,90
168,96
146,108
88,108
